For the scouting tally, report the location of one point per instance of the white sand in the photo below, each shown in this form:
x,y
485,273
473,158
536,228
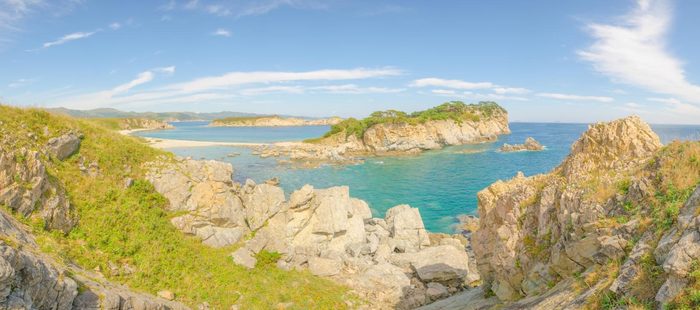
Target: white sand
x,y
170,143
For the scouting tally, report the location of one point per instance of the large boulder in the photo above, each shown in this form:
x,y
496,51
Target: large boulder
x,y
261,201
205,190
64,146
406,227
443,264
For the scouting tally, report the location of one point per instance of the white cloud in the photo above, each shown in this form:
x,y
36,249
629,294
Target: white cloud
x,y
218,10
443,92
241,78
510,90
69,37
20,82
221,32
273,89
224,87
633,105
575,97
115,26
456,84
354,89
143,77
634,51
167,70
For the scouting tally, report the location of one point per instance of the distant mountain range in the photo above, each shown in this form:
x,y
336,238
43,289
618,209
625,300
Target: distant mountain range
x,y
165,116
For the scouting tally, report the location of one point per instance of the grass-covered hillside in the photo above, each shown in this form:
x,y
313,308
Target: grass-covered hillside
x,y
455,110
126,234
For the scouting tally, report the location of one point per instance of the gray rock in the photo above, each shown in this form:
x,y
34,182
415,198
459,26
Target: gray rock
x,y
64,146
436,291
443,264
261,203
324,266
244,257
406,228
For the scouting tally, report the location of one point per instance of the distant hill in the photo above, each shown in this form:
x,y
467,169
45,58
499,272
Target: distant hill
x,y
165,116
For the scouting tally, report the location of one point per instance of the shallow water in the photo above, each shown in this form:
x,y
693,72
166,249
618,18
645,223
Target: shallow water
x,y
442,184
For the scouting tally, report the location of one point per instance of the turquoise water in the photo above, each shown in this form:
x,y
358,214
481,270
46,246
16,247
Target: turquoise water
x,y
442,184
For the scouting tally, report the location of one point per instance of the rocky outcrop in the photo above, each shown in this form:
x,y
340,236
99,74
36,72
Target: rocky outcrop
x,y
537,234
391,261
273,121
530,145
63,146
26,188
204,191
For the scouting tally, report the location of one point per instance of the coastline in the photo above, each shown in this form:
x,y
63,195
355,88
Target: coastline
x,y
172,143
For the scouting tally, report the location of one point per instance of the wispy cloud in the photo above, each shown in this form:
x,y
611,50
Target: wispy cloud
x,y
634,51
69,37
240,78
511,90
221,32
243,8
115,26
456,84
227,86
20,83
575,97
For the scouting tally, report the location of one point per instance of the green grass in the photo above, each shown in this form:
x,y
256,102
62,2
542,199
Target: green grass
x,y
455,110
123,227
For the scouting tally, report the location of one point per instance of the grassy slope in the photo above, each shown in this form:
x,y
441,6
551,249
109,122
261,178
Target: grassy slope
x,y
454,110
129,226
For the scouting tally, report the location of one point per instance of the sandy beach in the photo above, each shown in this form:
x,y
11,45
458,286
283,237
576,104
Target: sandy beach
x,y
171,143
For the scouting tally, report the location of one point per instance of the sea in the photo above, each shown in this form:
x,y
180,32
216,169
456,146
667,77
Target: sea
x,y
442,184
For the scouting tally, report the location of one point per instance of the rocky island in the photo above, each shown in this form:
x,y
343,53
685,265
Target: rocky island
x,y
395,133
530,145
272,121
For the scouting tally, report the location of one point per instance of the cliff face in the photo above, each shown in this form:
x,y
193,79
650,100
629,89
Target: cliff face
x,y
592,226
273,121
403,137
395,137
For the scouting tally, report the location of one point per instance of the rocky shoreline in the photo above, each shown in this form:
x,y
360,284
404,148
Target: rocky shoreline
x,y
389,139
392,262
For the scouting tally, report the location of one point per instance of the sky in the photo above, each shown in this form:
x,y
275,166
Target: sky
x,y
544,61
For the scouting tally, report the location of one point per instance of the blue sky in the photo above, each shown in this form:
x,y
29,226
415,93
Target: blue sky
x,y
552,61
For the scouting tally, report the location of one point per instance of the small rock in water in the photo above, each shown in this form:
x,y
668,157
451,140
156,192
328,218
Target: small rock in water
x,y
530,145
274,181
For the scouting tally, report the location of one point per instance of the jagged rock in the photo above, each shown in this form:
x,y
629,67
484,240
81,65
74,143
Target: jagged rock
x,y
261,203
26,187
530,145
204,189
406,228
537,230
442,263
324,266
436,291
64,146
